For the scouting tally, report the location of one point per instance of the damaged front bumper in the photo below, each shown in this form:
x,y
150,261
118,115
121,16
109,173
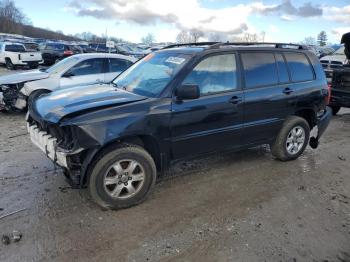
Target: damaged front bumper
x,y
48,144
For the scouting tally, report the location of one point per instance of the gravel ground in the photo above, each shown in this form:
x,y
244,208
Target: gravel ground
x,y
242,206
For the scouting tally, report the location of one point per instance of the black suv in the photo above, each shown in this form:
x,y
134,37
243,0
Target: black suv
x,y
178,102
340,89
54,52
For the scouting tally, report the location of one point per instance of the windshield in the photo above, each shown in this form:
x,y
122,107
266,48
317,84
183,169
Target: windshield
x,y
340,51
149,76
62,65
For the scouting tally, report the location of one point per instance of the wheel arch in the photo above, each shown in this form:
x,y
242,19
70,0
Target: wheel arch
x,y
309,115
148,142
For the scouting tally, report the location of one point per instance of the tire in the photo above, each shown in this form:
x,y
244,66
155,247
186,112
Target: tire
x,y
288,145
35,95
9,64
34,66
335,109
104,181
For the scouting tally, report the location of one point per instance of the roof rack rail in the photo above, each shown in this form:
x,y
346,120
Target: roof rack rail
x,y
192,44
213,45
276,45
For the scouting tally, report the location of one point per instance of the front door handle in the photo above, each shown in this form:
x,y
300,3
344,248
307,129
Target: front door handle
x,y
288,91
235,100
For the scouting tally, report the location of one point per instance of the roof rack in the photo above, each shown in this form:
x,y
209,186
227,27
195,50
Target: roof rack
x,y
213,45
192,44
275,45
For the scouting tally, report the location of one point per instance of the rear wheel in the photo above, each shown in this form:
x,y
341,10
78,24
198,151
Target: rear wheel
x,y
292,139
122,177
35,95
335,109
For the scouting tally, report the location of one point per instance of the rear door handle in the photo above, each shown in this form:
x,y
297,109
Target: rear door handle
x,y
288,91
235,100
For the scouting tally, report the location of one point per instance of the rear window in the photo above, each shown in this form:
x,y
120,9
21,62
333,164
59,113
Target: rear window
x,y
299,66
14,48
259,69
55,46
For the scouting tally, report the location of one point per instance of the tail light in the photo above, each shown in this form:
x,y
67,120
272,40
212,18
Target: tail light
x,y
68,52
328,97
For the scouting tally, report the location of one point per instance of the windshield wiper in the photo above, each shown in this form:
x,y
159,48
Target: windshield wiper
x,y
119,87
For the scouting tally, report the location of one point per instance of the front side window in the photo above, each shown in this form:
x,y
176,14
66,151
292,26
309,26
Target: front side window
x,y
88,67
299,66
150,75
214,74
118,65
259,69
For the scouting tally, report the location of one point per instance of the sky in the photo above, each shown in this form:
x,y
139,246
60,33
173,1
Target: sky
x,y
280,20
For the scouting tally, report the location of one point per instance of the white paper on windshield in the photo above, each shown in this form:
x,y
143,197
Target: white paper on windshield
x,y
175,60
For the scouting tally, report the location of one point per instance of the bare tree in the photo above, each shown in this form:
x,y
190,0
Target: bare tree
x,y
309,41
195,35
183,37
148,39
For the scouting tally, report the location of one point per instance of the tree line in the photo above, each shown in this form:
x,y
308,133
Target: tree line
x,y
14,21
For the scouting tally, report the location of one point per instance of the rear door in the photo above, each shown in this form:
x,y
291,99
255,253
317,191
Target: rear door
x,y
90,71
269,95
215,120
115,67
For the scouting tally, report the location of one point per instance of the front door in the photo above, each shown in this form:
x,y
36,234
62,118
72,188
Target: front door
x,y
214,121
90,71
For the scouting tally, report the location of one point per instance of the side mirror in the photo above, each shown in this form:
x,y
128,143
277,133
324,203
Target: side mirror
x,y
187,92
68,74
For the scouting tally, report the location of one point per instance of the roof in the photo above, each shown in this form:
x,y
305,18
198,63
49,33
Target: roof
x,y
104,55
201,46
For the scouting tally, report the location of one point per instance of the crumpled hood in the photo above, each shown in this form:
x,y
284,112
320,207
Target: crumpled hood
x,y
53,107
16,78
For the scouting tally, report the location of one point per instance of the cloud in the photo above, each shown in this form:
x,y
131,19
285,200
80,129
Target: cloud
x,y
339,31
338,14
287,8
287,18
189,14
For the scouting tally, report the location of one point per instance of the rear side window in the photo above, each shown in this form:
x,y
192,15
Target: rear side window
x,y
54,47
282,68
118,65
299,66
259,69
214,74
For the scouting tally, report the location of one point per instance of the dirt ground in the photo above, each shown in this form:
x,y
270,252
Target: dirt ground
x,y
242,206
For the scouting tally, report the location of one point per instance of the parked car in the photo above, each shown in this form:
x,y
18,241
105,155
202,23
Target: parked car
x,y
334,61
340,89
99,48
15,54
54,52
177,103
18,89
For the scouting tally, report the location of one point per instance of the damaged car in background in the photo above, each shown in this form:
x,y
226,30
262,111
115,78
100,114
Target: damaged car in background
x,y
17,90
182,101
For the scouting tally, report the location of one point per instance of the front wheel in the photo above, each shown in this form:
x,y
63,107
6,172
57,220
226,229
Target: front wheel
x,y
9,64
292,139
122,177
